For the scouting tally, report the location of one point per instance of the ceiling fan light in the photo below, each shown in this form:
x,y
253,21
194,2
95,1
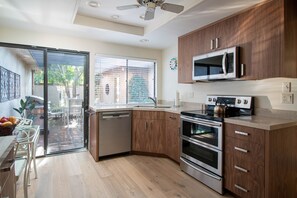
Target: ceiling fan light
x,y
94,4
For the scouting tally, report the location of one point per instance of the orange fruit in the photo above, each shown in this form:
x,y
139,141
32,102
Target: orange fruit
x,y
12,119
5,124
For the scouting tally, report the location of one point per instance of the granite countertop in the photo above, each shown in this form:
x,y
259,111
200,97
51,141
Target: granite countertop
x,y
261,122
6,144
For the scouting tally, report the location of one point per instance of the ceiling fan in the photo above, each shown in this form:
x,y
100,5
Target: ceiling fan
x,y
151,6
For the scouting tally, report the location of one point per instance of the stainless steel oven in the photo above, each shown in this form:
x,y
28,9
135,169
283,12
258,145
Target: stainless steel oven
x,y
201,150
201,138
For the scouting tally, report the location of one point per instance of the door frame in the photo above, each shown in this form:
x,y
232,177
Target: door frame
x,y
45,88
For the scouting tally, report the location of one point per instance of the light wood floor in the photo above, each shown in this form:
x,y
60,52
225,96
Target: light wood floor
x,y
77,175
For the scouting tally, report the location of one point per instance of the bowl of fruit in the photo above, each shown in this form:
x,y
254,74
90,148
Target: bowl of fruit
x,y
7,125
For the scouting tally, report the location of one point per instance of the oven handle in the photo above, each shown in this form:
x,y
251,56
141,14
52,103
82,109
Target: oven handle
x,y
200,144
200,170
199,121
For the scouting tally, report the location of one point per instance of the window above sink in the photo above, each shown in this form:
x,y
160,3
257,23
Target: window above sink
x,y
120,81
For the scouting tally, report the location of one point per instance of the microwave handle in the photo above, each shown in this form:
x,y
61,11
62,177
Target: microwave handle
x,y
224,63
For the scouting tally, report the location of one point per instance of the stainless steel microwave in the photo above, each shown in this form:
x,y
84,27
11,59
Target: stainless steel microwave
x,y
216,65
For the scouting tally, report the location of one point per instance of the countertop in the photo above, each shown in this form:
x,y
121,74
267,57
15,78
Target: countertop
x,y
260,122
6,144
142,108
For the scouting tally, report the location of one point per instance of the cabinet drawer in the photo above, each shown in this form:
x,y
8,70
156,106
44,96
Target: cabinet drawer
x,y
245,133
247,185
150,115
6,167
243,150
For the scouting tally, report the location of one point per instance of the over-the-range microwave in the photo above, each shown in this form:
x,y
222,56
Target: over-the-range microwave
x,y
218,65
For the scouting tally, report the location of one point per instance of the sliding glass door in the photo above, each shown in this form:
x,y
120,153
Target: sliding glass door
x,y
56,81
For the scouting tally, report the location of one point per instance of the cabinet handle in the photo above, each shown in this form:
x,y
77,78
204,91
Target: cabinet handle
x,y
241,169
211,44
241,133
242,70
145,125
217,43
241,149
173,118
241,188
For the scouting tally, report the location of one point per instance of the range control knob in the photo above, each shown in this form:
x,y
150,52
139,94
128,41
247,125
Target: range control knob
x,y
214,99
238,101
245,102
209,99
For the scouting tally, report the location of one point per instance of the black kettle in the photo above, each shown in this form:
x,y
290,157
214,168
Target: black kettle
x,y
221,108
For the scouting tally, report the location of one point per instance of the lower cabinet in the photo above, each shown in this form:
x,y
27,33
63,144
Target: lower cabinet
x,y
94,134
148,131
7,176
244,161
260,163
172,123
156,132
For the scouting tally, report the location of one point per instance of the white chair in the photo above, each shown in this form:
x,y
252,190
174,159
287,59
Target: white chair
x,y
25,151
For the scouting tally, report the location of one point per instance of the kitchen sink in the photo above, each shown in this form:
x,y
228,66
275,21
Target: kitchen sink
x,y
152,106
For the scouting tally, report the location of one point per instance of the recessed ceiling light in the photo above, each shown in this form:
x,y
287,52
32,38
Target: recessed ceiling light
x,y
115,17
141,16
93,4
144,40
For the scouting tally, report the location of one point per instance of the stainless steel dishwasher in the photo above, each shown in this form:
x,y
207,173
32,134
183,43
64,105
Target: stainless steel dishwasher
x,y
114,132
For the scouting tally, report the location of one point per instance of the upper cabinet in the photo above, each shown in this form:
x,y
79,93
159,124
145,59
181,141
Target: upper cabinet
x,y
266,35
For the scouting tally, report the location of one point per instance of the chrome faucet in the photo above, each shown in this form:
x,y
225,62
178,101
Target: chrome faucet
x,y
154,100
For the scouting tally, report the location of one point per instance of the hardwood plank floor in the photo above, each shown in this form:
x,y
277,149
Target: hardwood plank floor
x,y
77,175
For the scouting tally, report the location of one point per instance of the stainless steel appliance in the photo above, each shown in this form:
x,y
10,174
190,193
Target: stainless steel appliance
x,y
114,132
216,65
201,135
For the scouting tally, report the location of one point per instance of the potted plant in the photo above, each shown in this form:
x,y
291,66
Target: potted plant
x,y
25,105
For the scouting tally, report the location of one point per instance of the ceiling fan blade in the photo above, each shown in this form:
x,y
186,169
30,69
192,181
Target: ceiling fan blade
x,y
127,7
172,7
149,14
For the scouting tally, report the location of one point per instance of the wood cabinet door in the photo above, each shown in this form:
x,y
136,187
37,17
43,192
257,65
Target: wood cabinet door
x,y
156,138
172,136
94,135
227,33
267,47
185,59
140,135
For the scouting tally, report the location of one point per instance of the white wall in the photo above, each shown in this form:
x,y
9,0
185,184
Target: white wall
x,y
9,61
267,92
10,35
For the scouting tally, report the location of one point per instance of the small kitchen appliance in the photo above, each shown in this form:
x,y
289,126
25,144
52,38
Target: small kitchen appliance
x,y
201,135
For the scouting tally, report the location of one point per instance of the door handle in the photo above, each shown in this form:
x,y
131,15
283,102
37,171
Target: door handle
x,y
211,44
217,43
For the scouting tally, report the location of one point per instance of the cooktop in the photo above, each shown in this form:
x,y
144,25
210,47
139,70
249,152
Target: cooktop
x,y
236,106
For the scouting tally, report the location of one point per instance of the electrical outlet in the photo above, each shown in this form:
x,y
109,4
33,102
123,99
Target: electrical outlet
x,y
286,87
287,98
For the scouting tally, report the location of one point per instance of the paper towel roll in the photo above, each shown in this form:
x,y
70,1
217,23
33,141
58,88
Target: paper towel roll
x,y
177,99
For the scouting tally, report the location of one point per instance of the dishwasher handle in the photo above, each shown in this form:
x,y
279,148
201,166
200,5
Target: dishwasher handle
x,y
115,115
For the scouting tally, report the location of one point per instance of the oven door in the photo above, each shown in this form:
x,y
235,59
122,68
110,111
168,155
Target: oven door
x,y
206,157
202,131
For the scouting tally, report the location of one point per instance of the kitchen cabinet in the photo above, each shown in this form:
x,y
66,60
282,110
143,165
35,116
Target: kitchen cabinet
x,y
265,33
244,161
148,131
172,124
260,163
94,134
7,170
